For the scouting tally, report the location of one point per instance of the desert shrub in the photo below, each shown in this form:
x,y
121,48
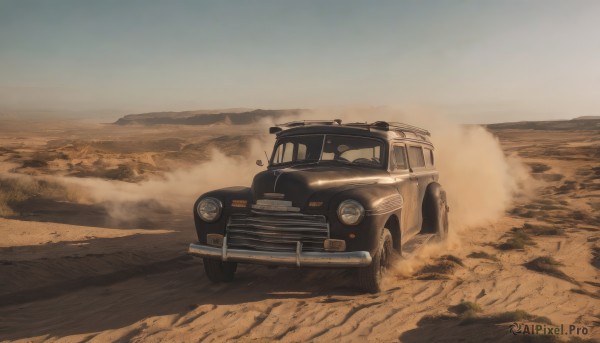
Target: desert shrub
x,y
465,309
567,187
543,230
50,156
122,172
549,207
482,254
34,164
547,265
578,215
41,159
517,240
17,189
441,269
539,167
596,257
588,293
527,214
452,258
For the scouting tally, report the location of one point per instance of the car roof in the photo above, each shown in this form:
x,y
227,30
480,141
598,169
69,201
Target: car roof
x,y
381,130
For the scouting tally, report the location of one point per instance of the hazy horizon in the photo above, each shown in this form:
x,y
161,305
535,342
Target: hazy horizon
x,y
479,62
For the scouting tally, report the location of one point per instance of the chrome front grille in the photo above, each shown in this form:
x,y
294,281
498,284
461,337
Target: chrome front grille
x,y
277,231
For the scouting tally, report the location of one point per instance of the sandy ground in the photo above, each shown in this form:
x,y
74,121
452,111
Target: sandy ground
x,y
134,282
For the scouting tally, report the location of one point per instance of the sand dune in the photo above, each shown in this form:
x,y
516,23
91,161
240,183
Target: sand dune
x,y
133,281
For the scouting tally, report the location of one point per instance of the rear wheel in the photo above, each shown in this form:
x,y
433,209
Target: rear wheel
x,y
219,271
442,218
435,212
370,277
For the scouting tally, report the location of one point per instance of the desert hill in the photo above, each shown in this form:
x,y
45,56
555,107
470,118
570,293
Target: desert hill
x,y
229,116
580,123
587,118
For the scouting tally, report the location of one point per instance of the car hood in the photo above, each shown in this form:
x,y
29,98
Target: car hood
x,y
299,184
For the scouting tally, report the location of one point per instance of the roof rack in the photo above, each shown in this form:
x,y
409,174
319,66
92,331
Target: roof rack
x,y
403,127
391,126
279,127
378,125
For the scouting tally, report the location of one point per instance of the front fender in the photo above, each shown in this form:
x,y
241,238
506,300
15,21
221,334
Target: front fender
x,y
380,202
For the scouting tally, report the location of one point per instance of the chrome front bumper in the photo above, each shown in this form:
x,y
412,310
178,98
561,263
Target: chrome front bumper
x,y
298,258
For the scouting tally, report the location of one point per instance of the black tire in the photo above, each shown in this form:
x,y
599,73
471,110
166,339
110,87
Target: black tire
x,y
219,271
435,212
370,277
442,232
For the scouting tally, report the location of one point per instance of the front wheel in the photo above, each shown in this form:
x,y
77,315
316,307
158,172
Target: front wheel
x,y
219,271
370,277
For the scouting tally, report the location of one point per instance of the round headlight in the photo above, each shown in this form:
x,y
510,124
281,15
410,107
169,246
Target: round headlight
x,y
350,212
209,209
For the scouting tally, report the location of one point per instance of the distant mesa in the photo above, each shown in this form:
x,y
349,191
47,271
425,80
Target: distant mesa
x,y
587,118
229,116
580,123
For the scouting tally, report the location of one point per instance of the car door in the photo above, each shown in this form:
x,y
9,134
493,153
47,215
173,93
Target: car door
x,y
407,187
419,176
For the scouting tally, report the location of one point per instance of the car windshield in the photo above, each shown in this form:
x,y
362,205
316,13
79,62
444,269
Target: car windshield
x,y
332,148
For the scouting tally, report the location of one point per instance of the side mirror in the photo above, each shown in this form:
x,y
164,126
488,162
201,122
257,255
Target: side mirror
x,y
259,163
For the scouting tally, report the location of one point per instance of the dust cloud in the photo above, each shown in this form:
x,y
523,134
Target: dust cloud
x,y
176,190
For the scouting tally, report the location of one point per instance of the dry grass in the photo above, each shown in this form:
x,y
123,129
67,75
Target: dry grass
x,y
518,240
547,265
539,167
596,257
588,293
483,255
122,172
567,187
542,230
465,309
17,189
441,270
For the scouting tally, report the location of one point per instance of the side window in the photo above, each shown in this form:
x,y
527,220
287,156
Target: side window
x,y
288,152
398,161
415,155
301,152
284,153
428,157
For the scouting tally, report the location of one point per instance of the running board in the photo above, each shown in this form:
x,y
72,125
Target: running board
x,y
417,243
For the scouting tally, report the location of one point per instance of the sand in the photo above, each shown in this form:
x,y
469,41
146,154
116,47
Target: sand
x,y
132,281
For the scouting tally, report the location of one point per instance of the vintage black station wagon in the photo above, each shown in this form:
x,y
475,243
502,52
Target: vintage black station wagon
x,y
333,195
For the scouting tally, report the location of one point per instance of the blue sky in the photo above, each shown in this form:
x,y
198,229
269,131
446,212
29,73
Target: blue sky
x,y
479,60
